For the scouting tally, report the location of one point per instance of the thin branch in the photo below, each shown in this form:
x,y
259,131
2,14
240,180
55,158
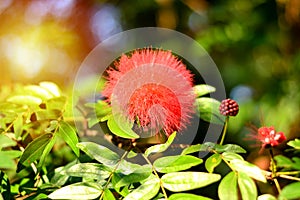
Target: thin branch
x,y
156,174
224,130
112,173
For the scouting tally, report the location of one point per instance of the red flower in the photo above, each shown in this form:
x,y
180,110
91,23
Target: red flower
x,y
269,137
153,88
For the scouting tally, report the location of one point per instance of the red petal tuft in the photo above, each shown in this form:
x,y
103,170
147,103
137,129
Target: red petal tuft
x,y
152,87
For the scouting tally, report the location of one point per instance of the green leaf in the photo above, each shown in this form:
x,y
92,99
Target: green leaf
x,y
124,191
228,187
247,186
183,181
161,147
25,99
92,121
34,150
126,167
47,151
212,162
229,156
136,176
294,143
266,197
38,91
59,178
51,87
203,89
6,160
282,161
125,131
100,153
88,170
145,191
5,187
176,163
131,154
230,148
290,191
6,142
208,109
57,103
296,163
18,126
40,196
208,146
77,191
191,149
67,132
250,169
187,196
108,195
52,126
48,114
101,108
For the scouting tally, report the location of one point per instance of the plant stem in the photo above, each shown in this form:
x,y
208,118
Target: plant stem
x,y
288,173
224,130
289,177
156,174
273,169
112,173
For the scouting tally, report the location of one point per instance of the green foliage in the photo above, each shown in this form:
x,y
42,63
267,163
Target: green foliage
x,y
208,109
100,153
34,151
209,146
212,162
187,196
125,131
202,89
161,147
228,187
67,132
97,171
294,143
290,191
77,191
247,186
184,181
146,190
287,163
176,163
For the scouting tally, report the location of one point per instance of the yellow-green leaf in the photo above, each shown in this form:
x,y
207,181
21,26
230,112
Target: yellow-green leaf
x,y
228,187
183,181
212,162
176,163
67,132
247,186
161,147
145,191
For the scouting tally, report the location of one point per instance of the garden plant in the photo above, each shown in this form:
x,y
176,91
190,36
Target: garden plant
x,y
47,148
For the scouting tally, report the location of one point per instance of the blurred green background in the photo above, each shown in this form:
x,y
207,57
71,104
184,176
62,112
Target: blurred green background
x,y
255,44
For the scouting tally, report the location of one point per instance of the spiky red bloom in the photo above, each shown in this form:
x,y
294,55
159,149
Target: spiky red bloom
x,y
153,88
269,137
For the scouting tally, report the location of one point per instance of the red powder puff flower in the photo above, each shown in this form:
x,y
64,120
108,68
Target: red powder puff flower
x,y
152,88
269,137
